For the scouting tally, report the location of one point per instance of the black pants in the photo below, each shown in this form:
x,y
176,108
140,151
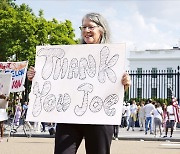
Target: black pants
x,y
116,130
43,126
69,136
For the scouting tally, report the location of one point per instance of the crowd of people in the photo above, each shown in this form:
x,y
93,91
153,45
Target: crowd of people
x,y
14,119
149,116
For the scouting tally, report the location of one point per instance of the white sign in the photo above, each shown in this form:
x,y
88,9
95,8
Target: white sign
x,y
18,71
78,84
5,86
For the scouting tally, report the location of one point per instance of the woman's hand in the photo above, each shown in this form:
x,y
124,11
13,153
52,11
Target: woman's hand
x,y
126,81
31,73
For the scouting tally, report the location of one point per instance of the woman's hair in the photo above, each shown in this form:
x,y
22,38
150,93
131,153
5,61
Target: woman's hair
x,y
164,107
100,21
157,105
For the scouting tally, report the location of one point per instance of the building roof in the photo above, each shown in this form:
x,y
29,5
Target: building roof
x,y
163,54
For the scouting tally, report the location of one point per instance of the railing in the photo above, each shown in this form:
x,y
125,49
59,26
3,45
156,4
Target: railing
x,y
157,84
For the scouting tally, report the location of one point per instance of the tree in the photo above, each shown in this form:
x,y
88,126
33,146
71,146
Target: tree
x,y
21,31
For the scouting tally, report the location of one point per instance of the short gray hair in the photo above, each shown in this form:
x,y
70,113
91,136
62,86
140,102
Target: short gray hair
x,y
99,20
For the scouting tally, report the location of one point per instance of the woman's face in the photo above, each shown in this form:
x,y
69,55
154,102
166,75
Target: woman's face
x,y
91,32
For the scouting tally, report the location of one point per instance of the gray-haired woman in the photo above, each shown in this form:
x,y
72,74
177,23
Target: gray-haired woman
x,y
98,138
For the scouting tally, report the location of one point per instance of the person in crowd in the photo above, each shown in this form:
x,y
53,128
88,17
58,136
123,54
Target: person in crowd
x,y
24,113
157,113
3,114
51,128
24,109
18,114
132,118
141,116
43,127
148,108
137,115
94,30
170,119
152,122
176,109
123,123
128,112
116,132
164,117
124,116
37,127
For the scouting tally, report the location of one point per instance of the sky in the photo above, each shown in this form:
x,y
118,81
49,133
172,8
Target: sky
x,y
142,24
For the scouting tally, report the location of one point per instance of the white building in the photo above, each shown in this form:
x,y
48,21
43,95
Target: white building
x,y
157,86
161,59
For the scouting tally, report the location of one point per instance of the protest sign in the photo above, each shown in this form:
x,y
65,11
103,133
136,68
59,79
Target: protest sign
x,y
5,85
18,71
78,84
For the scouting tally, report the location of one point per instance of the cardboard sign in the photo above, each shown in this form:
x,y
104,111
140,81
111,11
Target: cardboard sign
x,y
18,71
78,84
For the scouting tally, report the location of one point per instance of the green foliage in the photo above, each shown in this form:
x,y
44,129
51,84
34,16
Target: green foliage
x,y
21,31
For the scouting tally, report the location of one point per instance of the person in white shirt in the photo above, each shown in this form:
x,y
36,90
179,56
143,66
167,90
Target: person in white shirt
x,y
148,108
141,116
127,114
170,120
158,113
132,118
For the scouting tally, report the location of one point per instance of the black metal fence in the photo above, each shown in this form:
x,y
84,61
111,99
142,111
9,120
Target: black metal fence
x,y
157,84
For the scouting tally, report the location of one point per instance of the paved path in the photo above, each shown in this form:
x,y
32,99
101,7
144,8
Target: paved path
x,y
23,145
123,135
130,142
140,135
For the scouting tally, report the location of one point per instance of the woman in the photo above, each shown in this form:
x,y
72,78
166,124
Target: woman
x,y
132,118
141,116
18,114
164,117
158,114
170,119
3,114
97,137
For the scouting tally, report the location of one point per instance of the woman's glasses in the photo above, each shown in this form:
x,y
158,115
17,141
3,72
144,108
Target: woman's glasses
x,y
88,27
